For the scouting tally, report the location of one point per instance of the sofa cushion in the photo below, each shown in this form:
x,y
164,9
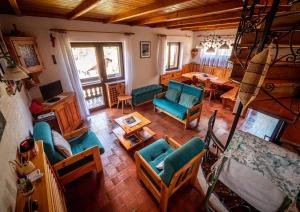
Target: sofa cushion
x,y
175,85
156,153
172,95
61,144
84,142
146,89
192,90
179,157
187,100
42,131
175,109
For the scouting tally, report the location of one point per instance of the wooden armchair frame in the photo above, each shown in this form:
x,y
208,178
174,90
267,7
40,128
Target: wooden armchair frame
x,y
186,174
96,163
190,116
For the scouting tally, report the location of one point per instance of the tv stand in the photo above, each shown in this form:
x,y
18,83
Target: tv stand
x,y
66,110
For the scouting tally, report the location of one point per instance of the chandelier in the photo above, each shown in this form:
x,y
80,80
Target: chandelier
x,y
212,42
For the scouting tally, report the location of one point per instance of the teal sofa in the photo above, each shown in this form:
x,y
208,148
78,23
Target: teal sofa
x,y
180,166
181,101
145,94
86,149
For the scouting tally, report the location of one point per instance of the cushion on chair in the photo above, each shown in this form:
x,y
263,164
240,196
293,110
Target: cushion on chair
x,y
187,100
61,144
175,85
155,153
180,157
42,131
192,90
172,95
175,109
84,142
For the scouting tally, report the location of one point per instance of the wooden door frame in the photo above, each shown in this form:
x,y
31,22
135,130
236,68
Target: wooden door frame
x,y
101,65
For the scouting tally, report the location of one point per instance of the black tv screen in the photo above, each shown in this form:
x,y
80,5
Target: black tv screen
x,y
51,90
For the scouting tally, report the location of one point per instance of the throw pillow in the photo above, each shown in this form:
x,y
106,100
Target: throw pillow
x,y
172,95
187,100
61,144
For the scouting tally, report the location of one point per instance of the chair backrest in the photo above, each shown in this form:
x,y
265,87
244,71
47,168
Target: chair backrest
x,y
195,81
181,164
192,90
208,83
42,131
175,85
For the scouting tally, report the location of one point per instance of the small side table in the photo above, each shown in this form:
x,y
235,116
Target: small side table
x,y
123,99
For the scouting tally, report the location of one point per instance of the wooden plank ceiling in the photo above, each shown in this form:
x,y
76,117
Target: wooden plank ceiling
x,y
194,15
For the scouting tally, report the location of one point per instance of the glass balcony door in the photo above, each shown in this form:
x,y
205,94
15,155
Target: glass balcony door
x,y
97,63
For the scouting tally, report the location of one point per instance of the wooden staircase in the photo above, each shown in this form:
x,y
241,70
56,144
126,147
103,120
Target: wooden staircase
x,y
279,96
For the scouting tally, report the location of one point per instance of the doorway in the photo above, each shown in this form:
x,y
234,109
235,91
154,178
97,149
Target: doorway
x,y
97,64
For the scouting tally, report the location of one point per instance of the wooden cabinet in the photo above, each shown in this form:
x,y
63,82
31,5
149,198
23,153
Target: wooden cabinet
x,y
114,89
48,192
25,52
67,112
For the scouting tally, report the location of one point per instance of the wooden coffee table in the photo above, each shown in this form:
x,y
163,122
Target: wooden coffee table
x,y
131,136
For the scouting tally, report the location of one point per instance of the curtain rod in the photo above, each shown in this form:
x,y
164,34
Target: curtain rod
x,y
75,30
188,36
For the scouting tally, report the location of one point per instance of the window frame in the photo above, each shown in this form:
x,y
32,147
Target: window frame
x,y
168,56
100,60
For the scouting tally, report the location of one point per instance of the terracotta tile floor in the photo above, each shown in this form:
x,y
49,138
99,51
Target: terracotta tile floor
x,y
117,189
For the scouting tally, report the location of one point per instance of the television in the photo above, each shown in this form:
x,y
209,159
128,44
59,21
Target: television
x,y
51,90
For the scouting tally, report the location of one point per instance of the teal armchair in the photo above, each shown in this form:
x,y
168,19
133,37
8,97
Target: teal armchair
x,y
180,166
183,104
86,149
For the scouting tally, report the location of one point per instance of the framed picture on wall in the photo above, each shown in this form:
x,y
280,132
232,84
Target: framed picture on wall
x,y
145,49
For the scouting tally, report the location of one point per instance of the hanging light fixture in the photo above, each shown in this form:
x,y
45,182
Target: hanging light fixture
x,y
210,50
224,46
200,46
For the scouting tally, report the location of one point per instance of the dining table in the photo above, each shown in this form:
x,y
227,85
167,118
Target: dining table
x,y
204,76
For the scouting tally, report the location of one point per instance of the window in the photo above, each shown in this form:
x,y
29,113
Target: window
x,y
173,53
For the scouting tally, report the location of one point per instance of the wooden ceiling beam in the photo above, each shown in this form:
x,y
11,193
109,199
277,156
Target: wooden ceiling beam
x,y
211,9
226,21
15,7
82,8
212,27
192,21
150,8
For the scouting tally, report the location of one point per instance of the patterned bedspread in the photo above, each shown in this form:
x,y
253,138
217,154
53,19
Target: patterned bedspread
x,y
278,165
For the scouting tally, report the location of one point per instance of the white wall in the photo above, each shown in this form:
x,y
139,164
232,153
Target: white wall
x,y
144,68
18,125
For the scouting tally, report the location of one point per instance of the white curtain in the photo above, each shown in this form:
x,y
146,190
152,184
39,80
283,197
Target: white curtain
x,y
219,58
161,54
128,65
72,76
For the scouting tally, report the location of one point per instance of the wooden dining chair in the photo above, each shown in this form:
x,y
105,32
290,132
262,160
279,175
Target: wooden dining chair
x,y
209,88
196,82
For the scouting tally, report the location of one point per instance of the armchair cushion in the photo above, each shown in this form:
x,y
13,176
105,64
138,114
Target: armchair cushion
x,y
61,144
42,131
192,90
180,157
172,95
156,153
187,100
175,85
84,142
175,109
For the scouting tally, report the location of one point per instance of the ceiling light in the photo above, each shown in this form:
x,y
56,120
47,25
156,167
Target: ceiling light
x,y
210,50
224,46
